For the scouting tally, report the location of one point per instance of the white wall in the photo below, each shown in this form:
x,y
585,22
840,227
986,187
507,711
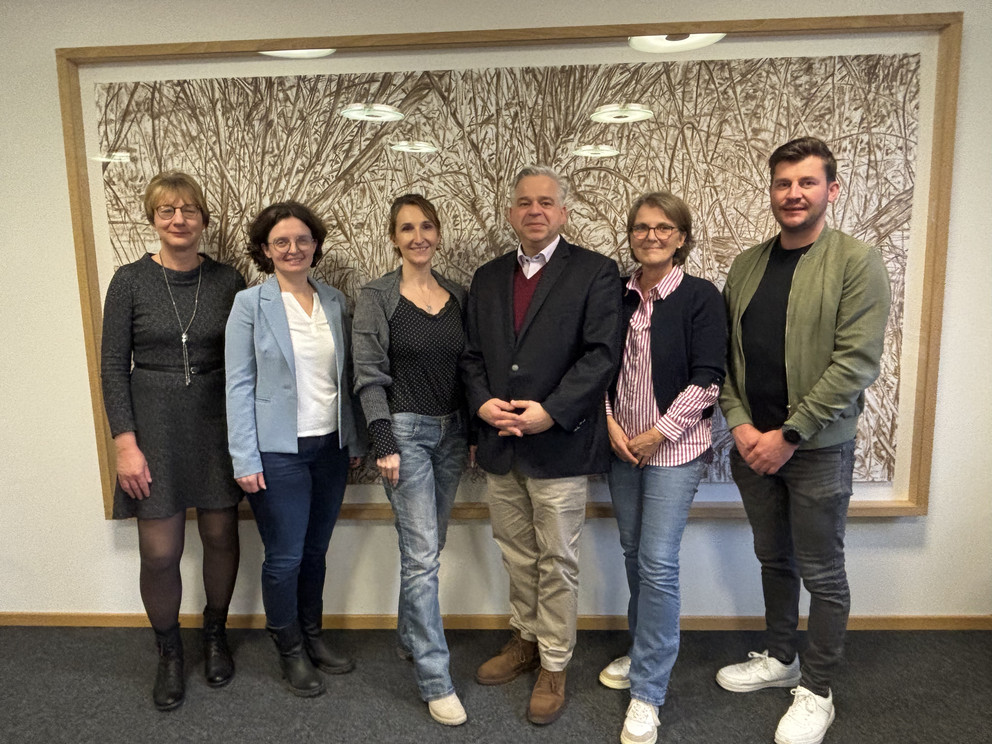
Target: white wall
x,y
58,554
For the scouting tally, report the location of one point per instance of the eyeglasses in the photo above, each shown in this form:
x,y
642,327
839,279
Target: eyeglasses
x,y
167,212
284,245
661,232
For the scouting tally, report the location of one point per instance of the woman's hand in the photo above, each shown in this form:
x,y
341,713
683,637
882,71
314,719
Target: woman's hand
x,y
252,483
619,441
132,467
472,449
645,444
389,467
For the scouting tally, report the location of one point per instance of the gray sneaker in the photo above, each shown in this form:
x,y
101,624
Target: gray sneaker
x,y
758,672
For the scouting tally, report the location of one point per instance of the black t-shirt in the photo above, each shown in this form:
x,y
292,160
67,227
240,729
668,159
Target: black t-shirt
x,y
763,339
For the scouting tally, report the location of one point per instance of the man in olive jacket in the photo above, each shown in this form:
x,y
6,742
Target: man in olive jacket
x,y
543,343
807,313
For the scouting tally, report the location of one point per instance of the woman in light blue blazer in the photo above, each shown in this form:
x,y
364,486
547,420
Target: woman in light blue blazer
x,y
291,430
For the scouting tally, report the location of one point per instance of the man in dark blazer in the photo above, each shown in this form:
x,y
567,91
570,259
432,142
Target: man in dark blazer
x,y
543,344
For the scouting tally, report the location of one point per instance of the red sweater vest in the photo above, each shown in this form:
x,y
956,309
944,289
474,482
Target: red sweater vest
x,y
523,293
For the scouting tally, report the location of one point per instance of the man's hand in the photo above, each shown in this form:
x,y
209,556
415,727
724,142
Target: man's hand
x,y
769,453
745,437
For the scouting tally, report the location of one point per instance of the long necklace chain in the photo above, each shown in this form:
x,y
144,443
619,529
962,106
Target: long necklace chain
x,y
184,331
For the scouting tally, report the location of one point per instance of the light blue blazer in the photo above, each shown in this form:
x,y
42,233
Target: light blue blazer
x,y
261,375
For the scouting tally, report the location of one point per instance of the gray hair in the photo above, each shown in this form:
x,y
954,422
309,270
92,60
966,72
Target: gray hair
x,y
542,170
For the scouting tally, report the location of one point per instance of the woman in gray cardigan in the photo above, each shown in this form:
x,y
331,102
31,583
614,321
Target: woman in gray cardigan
x,y
408,336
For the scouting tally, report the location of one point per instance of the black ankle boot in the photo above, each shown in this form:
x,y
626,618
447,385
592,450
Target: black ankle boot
x,y
170,690
301,677
322,656
218,664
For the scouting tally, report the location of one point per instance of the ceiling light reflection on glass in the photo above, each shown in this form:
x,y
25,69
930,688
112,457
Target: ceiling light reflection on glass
x,y
413,146
595,151
672,42
621,113
371,112
299,53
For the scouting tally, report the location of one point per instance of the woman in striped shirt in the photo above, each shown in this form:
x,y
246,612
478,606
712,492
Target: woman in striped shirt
x,y
659,411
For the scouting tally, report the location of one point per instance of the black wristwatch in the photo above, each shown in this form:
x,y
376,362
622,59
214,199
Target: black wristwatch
x,y
790,435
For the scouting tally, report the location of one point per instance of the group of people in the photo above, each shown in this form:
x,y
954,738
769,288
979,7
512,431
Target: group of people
x,y
550,369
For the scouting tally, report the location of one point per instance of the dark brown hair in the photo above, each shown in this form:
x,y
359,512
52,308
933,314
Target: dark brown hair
x,y
268,218
800,149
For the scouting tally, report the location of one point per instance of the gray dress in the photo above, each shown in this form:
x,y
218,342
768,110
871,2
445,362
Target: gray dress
x,y
182,430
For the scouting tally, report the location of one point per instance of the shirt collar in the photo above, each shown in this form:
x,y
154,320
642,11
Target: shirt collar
x,y
662,289
541,258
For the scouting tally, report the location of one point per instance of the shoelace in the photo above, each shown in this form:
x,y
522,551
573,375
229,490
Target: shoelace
x,y
804,698
640,712
756,659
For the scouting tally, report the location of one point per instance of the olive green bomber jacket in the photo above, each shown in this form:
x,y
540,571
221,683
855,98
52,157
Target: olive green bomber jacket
x,y
834,333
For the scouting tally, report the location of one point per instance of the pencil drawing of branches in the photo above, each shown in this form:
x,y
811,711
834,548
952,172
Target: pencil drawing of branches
x,y
253,141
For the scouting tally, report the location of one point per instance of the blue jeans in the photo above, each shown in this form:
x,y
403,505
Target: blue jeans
x,y
433,455
652,507
295,515
799,516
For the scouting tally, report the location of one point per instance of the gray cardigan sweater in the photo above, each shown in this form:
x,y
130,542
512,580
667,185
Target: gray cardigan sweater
x,y
370,338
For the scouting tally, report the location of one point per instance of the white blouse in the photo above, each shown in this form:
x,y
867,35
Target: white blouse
x,y
316,368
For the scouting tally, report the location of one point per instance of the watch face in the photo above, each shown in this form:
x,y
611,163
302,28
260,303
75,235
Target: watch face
x,y
791,436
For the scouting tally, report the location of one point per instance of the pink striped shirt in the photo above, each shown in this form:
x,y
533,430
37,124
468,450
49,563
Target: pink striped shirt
x,y
687,434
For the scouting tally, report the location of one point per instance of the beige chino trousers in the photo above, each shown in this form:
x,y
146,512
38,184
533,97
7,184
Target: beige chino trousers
x,y
537,523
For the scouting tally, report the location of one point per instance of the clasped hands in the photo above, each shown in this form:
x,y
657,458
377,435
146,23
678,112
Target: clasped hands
x,y
515,418
635,450
764,452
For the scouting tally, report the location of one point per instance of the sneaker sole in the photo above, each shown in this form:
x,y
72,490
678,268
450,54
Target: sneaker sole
x,y
614,683
732,686
625,740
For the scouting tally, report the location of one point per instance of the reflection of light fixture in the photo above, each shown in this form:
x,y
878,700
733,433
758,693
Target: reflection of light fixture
x,y
620,113
121,156
413,146
672,42
299,53
371,112
595,151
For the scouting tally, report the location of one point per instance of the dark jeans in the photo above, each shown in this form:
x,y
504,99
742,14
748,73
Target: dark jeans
x,y
295,515
798,517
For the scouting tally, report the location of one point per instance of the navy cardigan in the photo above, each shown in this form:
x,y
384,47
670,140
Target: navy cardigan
x,y
688,339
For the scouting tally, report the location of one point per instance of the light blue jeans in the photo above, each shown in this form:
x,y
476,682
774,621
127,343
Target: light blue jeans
x,y
433,455
652,507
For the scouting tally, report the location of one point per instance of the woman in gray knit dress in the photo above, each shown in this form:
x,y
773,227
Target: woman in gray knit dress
x,y
163,386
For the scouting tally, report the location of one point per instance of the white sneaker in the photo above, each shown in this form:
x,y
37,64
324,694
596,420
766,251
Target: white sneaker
x,y
641,724
757,673
448,710
616,675
807,720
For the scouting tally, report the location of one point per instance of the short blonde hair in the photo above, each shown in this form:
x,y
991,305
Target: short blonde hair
x,y
174,183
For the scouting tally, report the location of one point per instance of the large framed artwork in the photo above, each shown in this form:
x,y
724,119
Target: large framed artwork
x,y
880,90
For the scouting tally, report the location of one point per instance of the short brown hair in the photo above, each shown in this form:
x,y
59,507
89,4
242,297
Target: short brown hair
x,y
676,209
268,218
800,149
413,200
175,183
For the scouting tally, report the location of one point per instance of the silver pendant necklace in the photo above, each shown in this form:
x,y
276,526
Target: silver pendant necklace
x,y
184,331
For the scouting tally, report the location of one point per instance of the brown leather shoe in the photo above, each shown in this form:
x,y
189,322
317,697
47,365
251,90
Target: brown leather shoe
x,y
515,658
547,701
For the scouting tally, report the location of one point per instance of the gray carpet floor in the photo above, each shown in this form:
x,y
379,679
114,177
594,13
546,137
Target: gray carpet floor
x,y
85,685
